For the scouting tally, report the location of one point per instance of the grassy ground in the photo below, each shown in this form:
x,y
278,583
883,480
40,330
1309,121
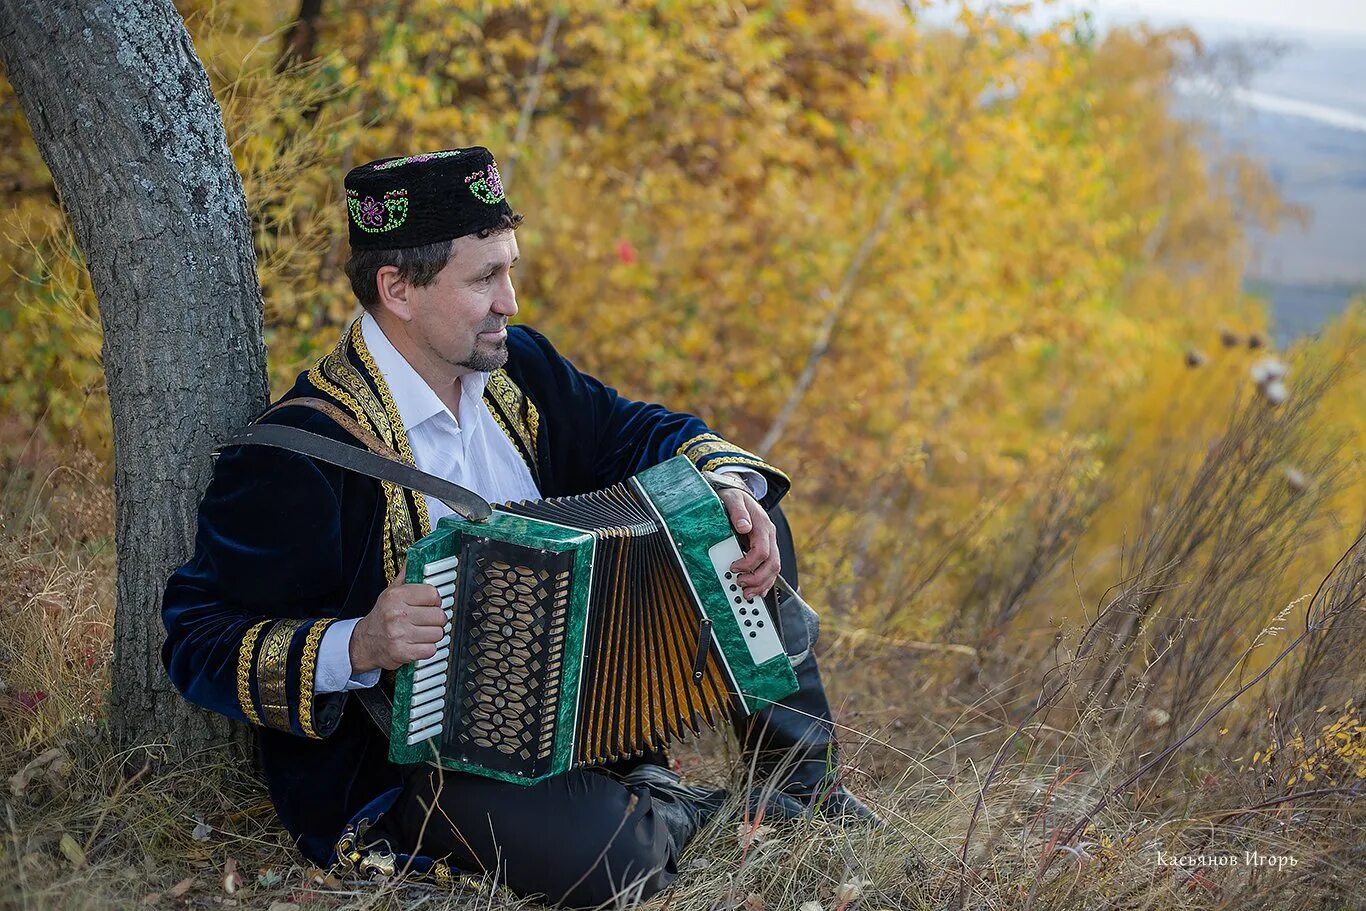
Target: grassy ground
x,y
1010,779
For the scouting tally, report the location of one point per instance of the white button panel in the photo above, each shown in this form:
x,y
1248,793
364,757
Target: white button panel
x,y
750,614
429,675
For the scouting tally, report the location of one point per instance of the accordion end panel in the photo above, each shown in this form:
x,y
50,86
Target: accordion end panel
x,y
697,523
508,669
440,545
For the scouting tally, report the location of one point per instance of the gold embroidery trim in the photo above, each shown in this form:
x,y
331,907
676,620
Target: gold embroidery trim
x,y
741,460
533,418
512,438
697,439
708,444
244,656
509,401
700,451
343,372
317,377
396,436
335,371
272,666
307,668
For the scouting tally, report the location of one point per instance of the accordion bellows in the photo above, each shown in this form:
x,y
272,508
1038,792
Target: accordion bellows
x,y
585,629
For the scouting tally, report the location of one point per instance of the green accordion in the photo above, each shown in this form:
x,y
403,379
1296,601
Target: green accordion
x,y
585,629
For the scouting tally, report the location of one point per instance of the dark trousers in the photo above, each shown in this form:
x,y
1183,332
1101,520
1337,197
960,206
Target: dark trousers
x,y
581,838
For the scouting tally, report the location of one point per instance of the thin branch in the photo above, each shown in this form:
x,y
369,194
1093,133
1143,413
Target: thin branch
x,y
840,298
533,92
826,331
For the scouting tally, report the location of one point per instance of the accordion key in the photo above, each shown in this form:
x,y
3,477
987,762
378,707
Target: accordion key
x,y
584,629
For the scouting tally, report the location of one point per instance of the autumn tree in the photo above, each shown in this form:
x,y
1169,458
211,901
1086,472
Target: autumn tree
x,y
939,272
121,110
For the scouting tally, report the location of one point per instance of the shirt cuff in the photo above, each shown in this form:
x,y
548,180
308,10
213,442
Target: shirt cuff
x,y
333,674
757,483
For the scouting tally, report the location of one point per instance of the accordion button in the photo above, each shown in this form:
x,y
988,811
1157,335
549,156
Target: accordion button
x,y
437,566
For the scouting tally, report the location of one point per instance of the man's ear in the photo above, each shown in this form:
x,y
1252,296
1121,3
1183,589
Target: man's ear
x,y
393,292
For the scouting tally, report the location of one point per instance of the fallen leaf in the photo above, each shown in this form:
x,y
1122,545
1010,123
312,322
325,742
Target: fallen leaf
x,y
72,850
322,878
52,762
175,891
756,835
850,891
29,700
232,880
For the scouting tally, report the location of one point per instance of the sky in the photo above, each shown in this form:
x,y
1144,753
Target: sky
x,y
1335,16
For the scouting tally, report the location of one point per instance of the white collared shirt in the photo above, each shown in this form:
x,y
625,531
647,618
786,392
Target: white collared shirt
x,y
467,448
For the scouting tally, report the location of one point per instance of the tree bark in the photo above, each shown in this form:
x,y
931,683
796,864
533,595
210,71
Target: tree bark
x,y
121,109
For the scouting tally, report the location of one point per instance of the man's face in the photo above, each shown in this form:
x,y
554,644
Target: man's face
x,y
461,318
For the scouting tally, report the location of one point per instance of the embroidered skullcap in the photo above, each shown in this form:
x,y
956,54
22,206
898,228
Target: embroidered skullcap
x,y
422,199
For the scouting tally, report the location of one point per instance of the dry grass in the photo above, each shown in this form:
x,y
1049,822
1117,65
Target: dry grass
x,y
1010,779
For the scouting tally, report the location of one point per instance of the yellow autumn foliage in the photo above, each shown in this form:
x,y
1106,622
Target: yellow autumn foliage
x,y
938,274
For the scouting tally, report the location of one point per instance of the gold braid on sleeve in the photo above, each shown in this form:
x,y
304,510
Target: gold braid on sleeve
x,y
307,668
244,655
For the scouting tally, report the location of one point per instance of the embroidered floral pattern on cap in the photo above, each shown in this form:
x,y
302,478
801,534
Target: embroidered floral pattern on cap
x,y
378,216
486,185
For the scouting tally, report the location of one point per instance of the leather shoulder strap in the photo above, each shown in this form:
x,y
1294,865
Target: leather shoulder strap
x,y
341,419
376,460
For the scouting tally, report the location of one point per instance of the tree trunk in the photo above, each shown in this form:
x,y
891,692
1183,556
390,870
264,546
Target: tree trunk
x,y
301,37
121,109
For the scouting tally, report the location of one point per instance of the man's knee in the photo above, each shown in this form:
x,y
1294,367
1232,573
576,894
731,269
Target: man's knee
x,y
634,858
787,549
800,624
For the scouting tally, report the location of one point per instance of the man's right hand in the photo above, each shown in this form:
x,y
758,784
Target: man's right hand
x,y
404,625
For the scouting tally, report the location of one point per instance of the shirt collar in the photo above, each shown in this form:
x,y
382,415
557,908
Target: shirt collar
x,y
415,400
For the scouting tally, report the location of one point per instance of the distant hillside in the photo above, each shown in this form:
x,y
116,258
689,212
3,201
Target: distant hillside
x,y
1301,308
1304,116
1320,163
